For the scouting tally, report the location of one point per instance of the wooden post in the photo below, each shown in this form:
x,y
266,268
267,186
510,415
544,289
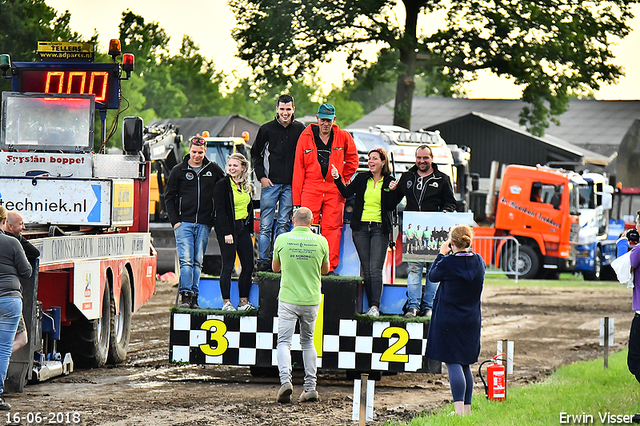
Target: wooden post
x,y
362,420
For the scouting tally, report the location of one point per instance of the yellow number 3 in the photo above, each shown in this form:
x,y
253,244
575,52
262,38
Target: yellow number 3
x,y
216,336
391,354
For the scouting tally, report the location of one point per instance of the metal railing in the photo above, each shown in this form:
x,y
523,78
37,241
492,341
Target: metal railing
x,y
501,254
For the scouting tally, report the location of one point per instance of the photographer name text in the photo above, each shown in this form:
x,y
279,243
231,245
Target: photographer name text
x,y
600,418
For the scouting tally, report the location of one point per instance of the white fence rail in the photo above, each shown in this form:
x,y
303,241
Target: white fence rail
x,y
500,254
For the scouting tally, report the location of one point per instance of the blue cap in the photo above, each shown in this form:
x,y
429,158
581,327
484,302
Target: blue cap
x,y
327,111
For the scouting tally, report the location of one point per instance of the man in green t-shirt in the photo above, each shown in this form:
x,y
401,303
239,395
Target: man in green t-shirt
x,y
303,257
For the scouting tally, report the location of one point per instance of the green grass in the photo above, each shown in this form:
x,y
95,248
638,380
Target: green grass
x,y
566,280
392,318
577,389
207,311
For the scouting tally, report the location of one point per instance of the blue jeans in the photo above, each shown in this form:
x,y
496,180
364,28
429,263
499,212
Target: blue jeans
x,y
191,244
371,244
414,287
270,196
288,315
10,311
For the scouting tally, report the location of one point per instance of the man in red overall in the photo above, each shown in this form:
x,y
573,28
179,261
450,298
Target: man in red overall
x,y
321,146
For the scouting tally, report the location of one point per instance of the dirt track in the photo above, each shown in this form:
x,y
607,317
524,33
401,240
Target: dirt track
x,y
550,327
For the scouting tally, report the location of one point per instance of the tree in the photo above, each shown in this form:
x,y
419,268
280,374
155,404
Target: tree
x,y
196,77
375,85
550,47
25,22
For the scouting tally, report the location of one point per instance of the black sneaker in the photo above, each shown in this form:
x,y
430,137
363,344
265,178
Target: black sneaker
x,y
4,406
332,274
411,313
425,312
635,418
194,301
185,299
263,267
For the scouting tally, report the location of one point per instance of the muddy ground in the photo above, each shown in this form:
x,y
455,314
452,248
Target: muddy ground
x,y
550,327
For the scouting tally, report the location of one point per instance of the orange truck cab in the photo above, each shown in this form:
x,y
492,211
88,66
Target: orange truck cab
x,y
539,207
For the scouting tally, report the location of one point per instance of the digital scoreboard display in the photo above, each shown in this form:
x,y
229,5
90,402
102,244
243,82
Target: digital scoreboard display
x,y
77,78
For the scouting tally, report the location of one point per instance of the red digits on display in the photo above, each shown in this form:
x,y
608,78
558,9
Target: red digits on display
x,y
76,83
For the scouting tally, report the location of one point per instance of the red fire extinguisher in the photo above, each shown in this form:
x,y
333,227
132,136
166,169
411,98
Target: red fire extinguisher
x,y
496,385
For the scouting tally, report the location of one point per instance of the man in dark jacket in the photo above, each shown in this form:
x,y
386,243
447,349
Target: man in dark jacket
x,y
427,190
272,156
189,203
13,227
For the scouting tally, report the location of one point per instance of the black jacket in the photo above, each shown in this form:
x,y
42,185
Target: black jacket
x,y
29,249
190,195
358,186
274,149
436,195
225,215
13,266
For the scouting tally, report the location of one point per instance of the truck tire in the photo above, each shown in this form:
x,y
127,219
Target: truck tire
x,y
120,325
88,340
596,274
528,262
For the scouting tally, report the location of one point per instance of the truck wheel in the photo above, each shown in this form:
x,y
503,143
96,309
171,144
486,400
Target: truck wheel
x,y
597,267
120,325
88,340
527,263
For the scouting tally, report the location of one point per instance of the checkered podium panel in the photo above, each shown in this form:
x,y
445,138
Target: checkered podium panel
x,y
251,341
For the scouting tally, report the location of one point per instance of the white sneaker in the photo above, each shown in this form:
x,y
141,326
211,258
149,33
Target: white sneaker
x,y
228,307
373,311
246,307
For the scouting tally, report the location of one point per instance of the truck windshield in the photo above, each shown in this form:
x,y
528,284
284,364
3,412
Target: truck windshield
x,y
586,199
574,198
219,154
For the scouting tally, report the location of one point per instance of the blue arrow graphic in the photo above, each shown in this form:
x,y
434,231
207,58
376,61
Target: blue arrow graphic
x,y
94,215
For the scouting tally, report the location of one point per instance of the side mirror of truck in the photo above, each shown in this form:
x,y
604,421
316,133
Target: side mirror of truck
x,y
132,134
607,197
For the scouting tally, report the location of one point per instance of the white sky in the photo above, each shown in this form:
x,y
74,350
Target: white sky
x,y
209,24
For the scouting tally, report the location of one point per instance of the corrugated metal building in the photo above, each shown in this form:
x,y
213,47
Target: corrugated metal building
x,y
598,126
494,138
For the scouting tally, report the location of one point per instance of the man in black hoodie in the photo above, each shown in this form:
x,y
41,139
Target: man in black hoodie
x,y
189,204
427,190
272,156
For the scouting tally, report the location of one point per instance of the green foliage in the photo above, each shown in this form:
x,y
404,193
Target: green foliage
x,y
553,48
582,388
375,84
147,41
196,78
25,22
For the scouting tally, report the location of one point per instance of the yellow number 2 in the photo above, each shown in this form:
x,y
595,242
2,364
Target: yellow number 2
x,y
216,336
391,354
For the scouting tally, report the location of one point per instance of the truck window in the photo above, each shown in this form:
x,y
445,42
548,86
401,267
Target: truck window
x,y
546,193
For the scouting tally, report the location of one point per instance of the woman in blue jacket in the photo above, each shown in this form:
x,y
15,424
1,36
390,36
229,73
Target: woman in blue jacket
x,y
370,221
454,332
233,223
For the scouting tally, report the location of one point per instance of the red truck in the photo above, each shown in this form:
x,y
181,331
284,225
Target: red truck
x,y
538,207
87,212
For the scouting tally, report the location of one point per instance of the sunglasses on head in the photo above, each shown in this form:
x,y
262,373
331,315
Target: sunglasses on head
x,y
197,141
